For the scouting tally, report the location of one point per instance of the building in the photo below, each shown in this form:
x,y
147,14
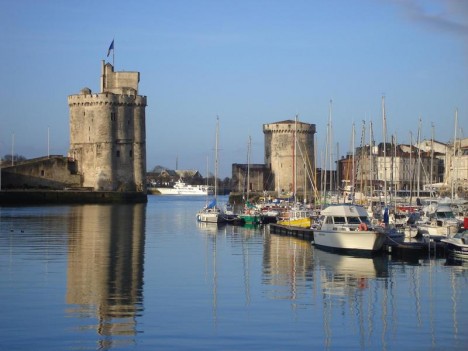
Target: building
x,y
255,174
108,133
290,156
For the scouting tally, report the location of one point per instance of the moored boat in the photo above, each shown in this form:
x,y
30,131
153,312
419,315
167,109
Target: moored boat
x,y
211,213
347,227
458,244
250,214
439,222
295,218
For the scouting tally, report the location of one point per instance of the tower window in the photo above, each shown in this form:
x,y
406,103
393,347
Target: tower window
x,y
42,173
112,116
131,153
118,153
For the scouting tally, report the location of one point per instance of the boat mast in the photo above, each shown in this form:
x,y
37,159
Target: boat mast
x,y
248,166
371,159
411,168
330,154
419,155
432,159
384,123
454,153
295,159
216,160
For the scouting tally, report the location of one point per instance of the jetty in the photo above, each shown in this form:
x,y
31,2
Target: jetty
x,y
391,246
298,232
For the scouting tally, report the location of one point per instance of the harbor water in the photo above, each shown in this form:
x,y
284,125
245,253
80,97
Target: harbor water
x,y
149,277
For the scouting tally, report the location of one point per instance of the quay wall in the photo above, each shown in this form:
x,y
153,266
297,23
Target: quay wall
x,y
54,172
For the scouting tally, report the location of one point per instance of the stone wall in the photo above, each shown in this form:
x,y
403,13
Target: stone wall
x,y
54,172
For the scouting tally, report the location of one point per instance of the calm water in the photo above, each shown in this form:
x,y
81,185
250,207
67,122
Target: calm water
x,y
149,277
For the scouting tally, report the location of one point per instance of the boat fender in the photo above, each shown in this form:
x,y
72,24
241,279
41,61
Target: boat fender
x,y
362,227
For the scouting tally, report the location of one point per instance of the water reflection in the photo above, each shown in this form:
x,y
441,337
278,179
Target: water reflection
x,y
105,269
288,266
342,274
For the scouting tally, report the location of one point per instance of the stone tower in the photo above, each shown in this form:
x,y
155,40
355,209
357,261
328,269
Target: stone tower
x,y
291,164
108,133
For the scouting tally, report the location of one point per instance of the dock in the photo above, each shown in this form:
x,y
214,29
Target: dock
x,y
298,232
395,247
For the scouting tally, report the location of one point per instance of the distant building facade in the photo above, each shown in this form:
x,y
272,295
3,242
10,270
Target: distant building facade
x,y
290,156
108,133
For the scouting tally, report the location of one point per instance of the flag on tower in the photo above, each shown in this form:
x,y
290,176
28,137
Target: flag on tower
x,y
111,47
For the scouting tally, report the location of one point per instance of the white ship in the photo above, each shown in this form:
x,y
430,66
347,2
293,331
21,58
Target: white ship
x,y
181,188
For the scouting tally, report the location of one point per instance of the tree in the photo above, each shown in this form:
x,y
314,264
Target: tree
x,y
17,158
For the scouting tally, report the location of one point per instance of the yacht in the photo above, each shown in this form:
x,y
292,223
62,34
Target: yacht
x,y
182,188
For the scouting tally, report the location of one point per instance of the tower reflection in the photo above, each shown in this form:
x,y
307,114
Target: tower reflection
x,y
105,268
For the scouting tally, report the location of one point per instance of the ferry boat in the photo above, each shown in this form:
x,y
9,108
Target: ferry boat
x,y
182,188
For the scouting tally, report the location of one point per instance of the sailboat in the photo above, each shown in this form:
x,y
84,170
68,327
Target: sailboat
x,y
250,214
211,213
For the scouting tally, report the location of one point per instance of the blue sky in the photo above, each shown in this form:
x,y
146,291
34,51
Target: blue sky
x,y
248,62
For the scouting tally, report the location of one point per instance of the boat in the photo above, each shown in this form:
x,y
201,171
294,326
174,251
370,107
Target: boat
x,y
211,213
182,188
250,214
458,244
347,227
438,222
295,217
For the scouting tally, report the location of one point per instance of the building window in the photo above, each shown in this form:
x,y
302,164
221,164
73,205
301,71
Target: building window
x,y
131,153
118,153
42,173
112,116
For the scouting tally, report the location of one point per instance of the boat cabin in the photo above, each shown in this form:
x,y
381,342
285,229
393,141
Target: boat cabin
x,y
352,217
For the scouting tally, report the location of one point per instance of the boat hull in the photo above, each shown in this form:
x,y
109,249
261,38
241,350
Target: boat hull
x,y
172,191
438,231
297,222
250,218
210,216
349,240
457,250
458,245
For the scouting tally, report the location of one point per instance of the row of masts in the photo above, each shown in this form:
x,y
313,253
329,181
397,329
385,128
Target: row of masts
x,y
329,186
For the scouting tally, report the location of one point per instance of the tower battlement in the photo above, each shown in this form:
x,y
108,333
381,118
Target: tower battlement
x,y
105,99
289,126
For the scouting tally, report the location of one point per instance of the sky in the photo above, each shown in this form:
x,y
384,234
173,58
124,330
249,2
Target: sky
x,y
247,62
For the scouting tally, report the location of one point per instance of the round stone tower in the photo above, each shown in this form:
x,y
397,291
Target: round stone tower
x,y
289,154
108,133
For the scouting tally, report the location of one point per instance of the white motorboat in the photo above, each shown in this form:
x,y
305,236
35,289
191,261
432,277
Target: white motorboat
x,y
439,222
458,244
182,188
347,227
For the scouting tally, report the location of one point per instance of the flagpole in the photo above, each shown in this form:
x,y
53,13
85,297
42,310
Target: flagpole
x,y
113,53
